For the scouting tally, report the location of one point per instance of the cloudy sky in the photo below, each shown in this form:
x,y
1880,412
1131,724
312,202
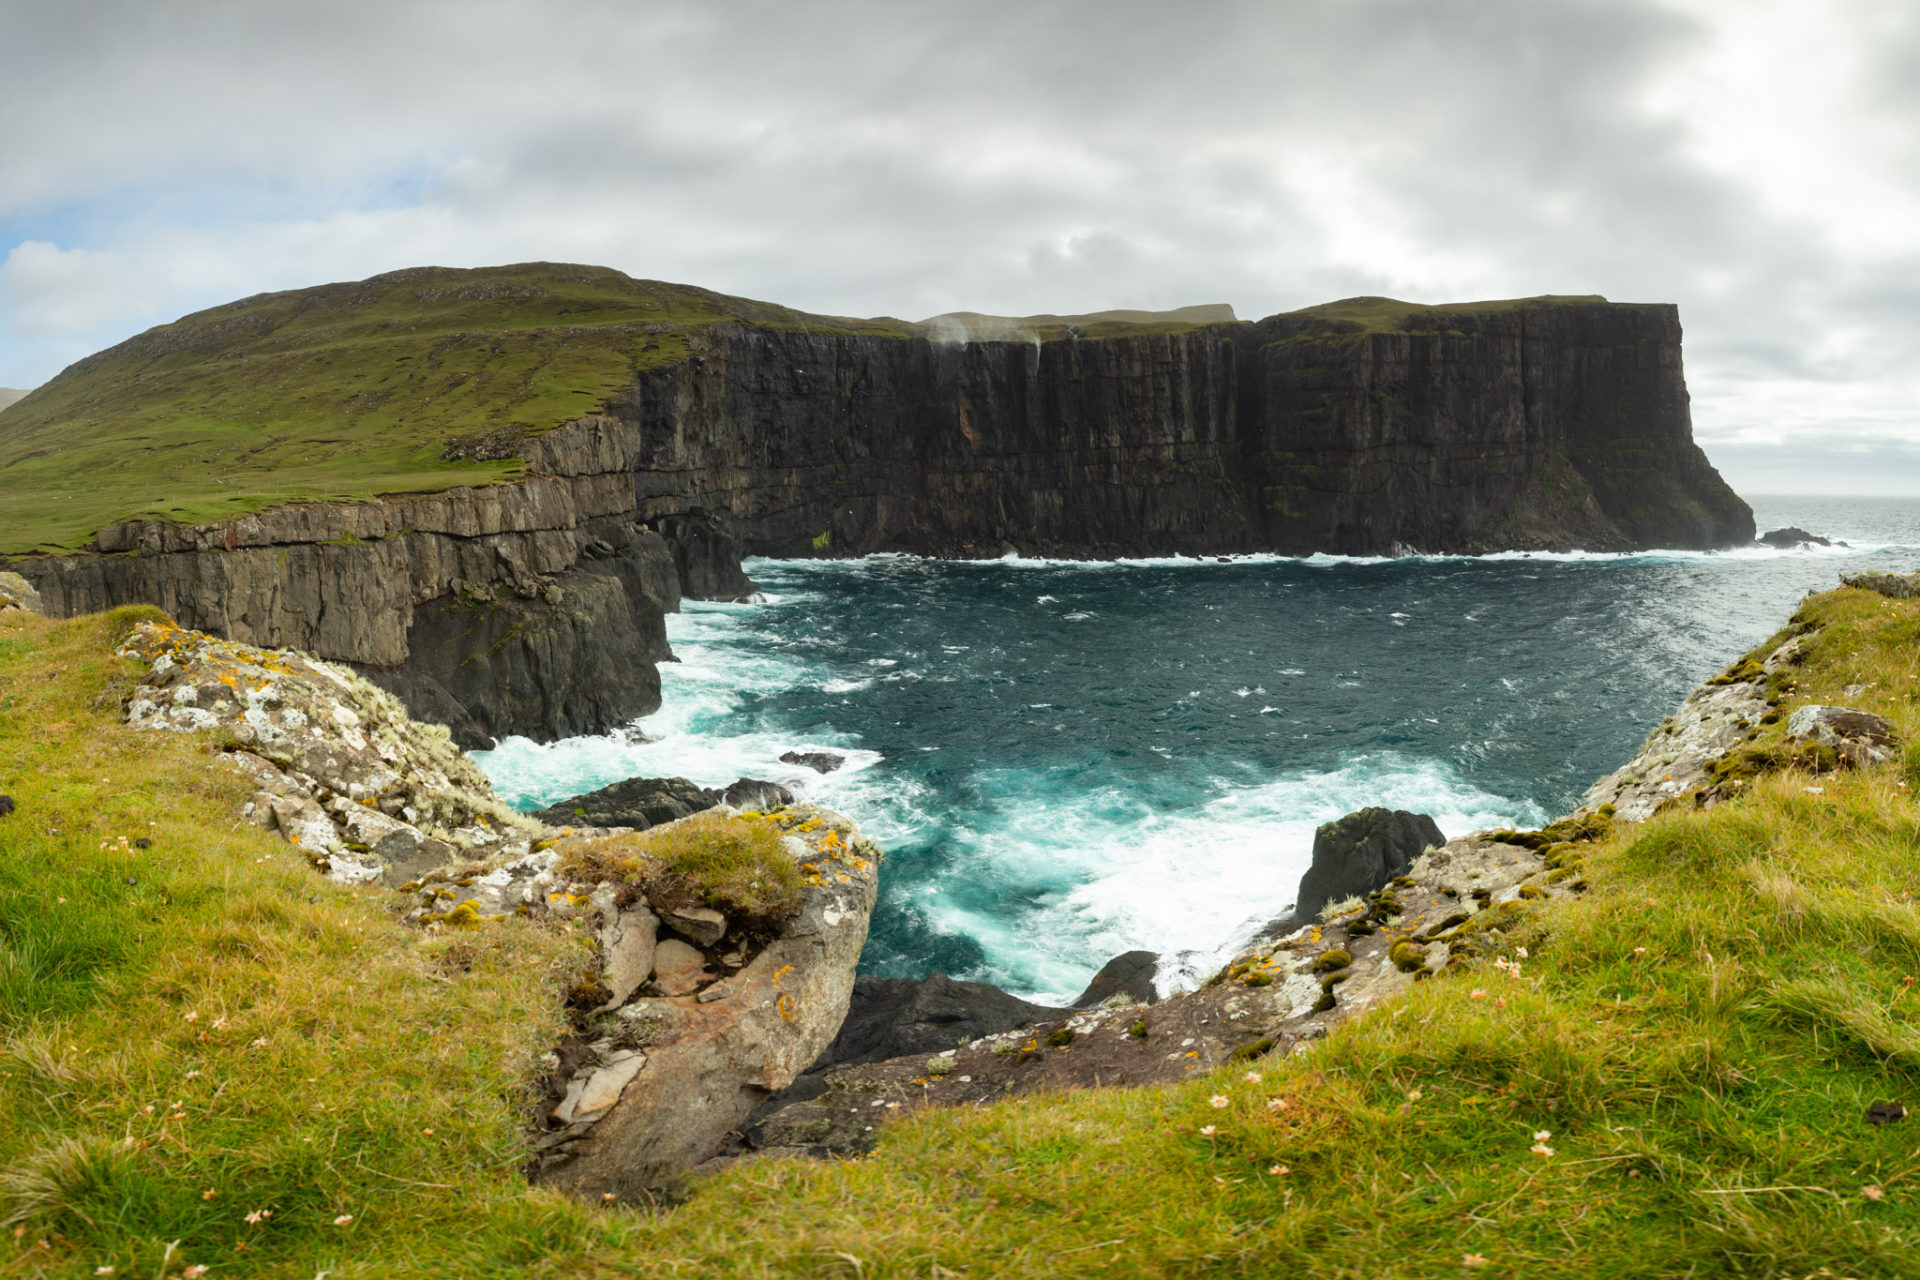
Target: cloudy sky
x,y
1756,162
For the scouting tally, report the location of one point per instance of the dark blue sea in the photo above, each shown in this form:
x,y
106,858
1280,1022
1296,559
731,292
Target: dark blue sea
x,y
1067,760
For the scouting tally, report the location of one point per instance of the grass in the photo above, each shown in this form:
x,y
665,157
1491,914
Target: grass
x,y
1390,315
337,392
1699,1036
733,863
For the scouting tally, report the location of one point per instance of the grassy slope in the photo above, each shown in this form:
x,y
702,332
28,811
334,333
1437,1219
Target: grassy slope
x,y
8,395
1705,1095
340,391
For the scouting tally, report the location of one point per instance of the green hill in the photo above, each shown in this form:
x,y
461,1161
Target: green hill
x,y
9,395
340,391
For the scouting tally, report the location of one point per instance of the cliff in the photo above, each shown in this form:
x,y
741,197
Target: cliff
x,y
653,433
1539,424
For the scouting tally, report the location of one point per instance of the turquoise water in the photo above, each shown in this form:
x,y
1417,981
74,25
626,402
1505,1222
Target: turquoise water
x,y
1067,760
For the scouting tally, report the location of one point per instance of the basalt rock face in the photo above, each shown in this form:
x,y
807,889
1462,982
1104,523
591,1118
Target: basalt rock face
x,y
537,607
1539,426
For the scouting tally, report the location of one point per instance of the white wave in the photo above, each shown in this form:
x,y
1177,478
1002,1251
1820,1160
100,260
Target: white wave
x,y
1103,873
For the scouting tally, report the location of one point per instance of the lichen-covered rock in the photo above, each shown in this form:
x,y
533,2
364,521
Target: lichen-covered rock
x,y
339,767
721,1038
1679,755
1861,737
17,593
1900,586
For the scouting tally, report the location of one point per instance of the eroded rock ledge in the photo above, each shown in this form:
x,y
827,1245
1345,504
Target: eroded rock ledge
x,y
702,996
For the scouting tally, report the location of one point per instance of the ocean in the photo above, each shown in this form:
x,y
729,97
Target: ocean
x,y
1065,760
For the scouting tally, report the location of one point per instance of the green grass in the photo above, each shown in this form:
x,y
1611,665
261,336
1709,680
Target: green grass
x,y
1389,315
1701,1034
339,391
734,863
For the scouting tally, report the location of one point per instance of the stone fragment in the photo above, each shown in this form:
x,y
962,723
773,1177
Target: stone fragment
x,y
678,969
606,1084
702,924
629,941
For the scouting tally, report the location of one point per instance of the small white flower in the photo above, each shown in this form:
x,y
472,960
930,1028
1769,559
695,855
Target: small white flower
x,y
1541,1149
1521,952
1253,1077
1218,1101
1541,1135
343,1220
1206,1131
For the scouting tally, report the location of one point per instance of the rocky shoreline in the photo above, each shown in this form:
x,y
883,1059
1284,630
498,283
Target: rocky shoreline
x,y
710,1026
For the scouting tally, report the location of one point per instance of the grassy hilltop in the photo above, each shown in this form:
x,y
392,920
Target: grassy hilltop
x,y
339,391
1674,1080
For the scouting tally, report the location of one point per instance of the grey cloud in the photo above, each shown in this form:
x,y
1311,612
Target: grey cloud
x,y
863,158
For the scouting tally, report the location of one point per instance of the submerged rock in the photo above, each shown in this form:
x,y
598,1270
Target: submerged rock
x,y
1792,536
818,761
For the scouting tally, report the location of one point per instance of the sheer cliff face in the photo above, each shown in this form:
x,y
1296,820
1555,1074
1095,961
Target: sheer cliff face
x,y
538,607
1545,425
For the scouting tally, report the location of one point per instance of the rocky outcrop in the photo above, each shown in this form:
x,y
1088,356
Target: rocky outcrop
x,y
17,593
1128,977
1897,586
640,803
1468,901
697,1005
1358,854
1790,537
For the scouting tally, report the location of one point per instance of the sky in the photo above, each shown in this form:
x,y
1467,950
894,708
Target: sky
x,y
1755,162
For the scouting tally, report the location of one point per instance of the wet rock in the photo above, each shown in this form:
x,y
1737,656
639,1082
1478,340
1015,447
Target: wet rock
x,y
678,969
752,793
1792,536
703,925
890,1017
1129,974
1357,854
818,761
637,802
1863,738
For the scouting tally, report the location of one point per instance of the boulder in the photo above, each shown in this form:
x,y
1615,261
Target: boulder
x,y
818,761
1357,854
752,793
1792,536
637,802
1900,586
1860,737
1129,974
893,1017
628,942
710,1059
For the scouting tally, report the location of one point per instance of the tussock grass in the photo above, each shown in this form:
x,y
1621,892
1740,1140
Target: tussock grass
x,y
1699,1036
734,862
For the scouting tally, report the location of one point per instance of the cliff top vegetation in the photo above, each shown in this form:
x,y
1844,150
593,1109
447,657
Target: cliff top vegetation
x,y
211,1058
340,391
1389,315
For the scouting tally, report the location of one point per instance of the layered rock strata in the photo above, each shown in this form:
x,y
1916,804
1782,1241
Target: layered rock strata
x,y
536,607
